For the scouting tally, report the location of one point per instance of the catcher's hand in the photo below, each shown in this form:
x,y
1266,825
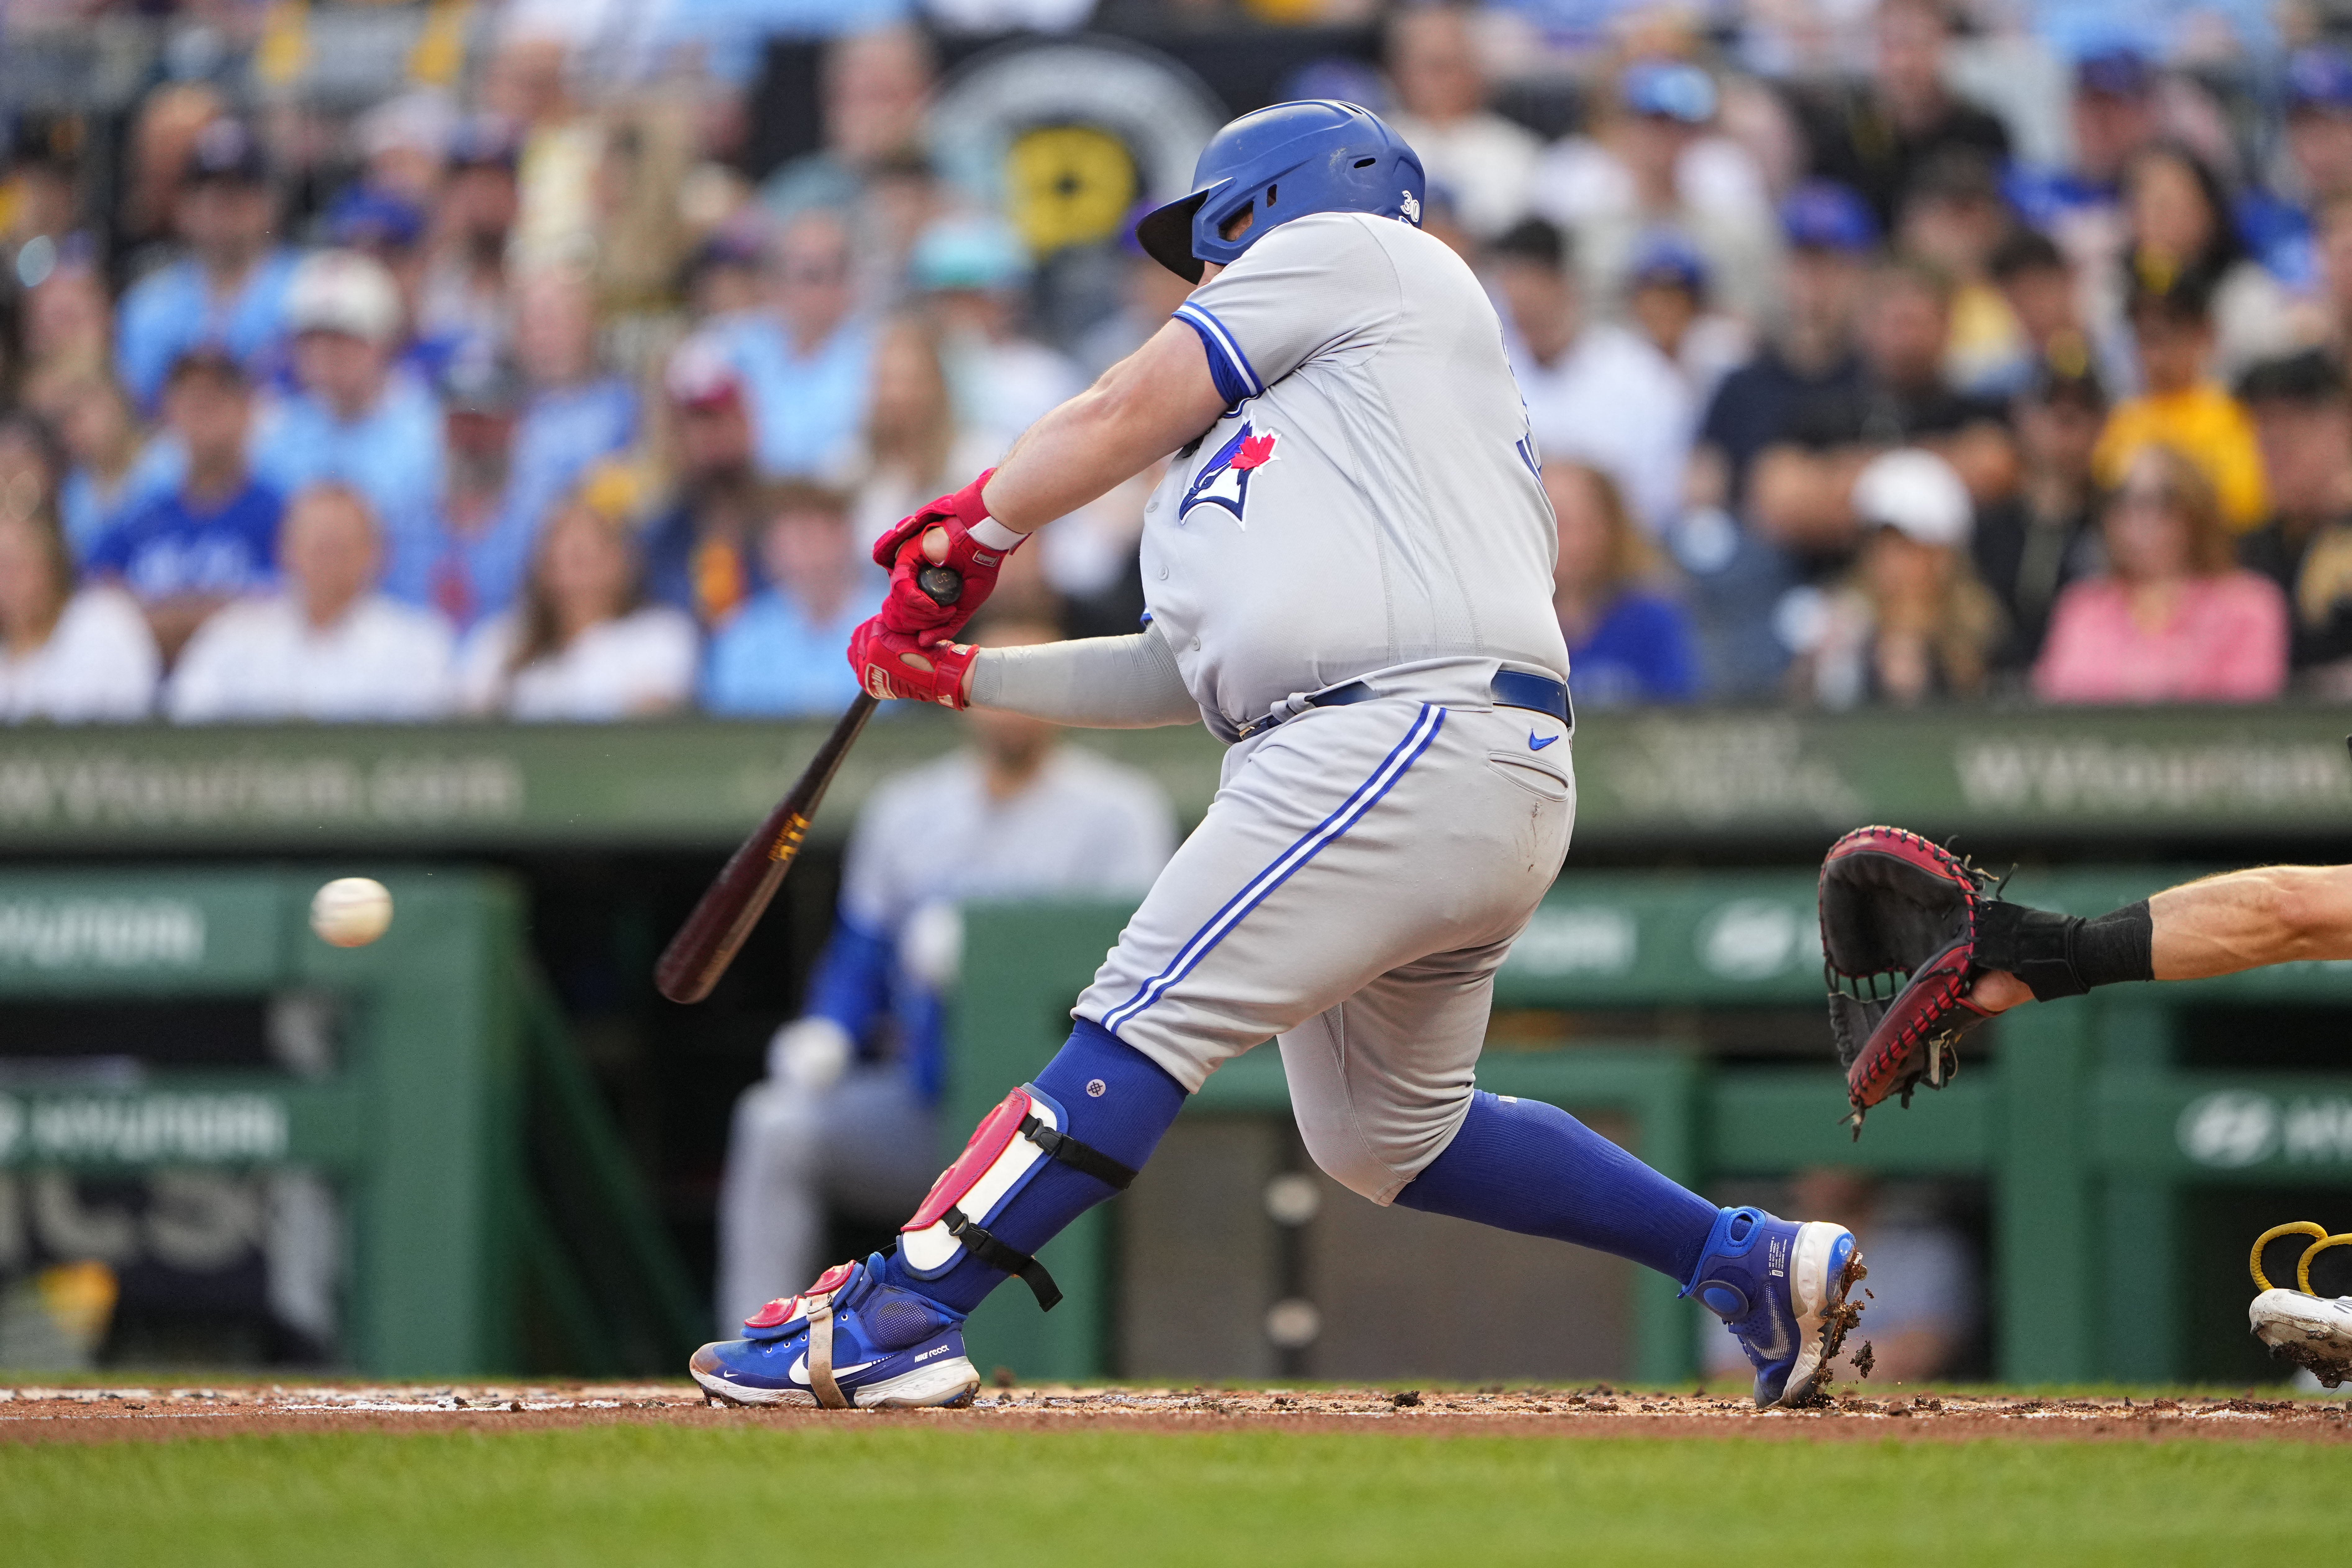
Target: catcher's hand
x,y
1905,929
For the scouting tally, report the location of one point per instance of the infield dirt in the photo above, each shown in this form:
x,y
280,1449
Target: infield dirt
x,y
32,1413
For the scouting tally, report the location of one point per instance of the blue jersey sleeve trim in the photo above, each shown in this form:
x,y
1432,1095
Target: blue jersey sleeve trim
x,y
1228,366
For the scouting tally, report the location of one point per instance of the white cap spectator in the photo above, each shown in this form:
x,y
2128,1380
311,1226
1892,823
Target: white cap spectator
x,y
344,291
1916,491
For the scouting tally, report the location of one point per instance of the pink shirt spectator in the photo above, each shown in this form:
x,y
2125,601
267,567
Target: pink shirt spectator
x,y
2227,643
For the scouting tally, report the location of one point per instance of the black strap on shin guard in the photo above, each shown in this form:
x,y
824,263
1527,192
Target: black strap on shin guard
x,y
1081,1157
2062,955
996,1254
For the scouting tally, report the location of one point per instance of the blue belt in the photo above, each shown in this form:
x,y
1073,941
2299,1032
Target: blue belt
x,y
1512,688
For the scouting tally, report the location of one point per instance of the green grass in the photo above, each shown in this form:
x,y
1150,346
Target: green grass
x,y
586,1497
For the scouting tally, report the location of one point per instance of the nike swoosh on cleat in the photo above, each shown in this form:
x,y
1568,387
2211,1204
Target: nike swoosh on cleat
x,y
799,1370
1536,746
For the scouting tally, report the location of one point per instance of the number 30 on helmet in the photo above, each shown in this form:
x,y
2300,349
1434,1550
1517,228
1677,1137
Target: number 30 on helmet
x,y
1286,161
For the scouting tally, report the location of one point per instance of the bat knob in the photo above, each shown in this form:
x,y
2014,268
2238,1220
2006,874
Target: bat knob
x,y
943,585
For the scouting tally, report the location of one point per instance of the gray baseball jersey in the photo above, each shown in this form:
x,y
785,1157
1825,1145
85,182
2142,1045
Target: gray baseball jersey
x,y
1370,498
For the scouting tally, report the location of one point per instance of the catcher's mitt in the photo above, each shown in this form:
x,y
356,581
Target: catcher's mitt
x,y
1901,921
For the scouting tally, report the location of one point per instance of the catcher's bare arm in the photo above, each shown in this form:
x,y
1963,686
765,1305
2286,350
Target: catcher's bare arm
x,y
2219,925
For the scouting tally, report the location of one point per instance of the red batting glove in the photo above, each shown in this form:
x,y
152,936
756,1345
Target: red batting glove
x,y
909,611
891,665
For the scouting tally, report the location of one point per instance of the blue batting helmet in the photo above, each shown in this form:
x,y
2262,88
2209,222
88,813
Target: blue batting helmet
x,y
1283,162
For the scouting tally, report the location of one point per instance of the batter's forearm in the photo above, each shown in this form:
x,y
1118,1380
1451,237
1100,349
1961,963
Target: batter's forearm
x,y
1143,408
1102,683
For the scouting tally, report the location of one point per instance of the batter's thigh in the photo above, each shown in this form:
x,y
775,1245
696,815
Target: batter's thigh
x,y
1379,1083
1345,846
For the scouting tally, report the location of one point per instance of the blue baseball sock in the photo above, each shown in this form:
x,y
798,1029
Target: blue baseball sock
x,y
1138,1101
1522,1165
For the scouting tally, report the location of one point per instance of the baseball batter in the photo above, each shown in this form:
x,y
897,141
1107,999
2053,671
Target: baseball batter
x,y
1348,569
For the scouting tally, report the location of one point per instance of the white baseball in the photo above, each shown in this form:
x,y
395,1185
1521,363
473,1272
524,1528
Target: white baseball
x,y
350,912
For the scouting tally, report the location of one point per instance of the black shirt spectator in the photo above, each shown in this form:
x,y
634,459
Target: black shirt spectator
x,y
1875,136
2030,544
2302,418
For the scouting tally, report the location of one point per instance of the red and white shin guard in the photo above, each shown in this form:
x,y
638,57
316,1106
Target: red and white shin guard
x,y
1007,1149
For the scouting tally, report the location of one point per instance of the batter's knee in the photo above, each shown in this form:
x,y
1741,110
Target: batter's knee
x,y
1377,1156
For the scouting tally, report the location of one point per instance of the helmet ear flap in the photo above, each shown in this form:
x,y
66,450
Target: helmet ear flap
x,y
1166,236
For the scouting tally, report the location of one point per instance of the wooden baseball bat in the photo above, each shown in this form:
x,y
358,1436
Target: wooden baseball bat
x,y
707,944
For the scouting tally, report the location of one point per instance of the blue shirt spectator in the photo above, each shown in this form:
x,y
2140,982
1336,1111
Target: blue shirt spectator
x,y
182,545
573,415
231,289
1626,643
781,654
1640,651
807,365
212,534
483,534
357,418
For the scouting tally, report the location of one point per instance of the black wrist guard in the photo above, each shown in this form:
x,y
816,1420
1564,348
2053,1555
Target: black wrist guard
x,y
2065,955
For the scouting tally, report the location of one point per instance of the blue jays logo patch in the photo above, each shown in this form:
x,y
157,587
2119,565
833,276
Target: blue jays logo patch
x,y
1224,479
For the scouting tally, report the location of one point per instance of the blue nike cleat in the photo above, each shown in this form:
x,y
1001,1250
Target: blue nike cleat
x,y
846,1341
1781,1288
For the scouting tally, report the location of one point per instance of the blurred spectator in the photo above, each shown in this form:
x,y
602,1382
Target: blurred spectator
x,y
402,143
484,526
1877,134
232,287
1627,642
847,1114
358,417
2281,228
170,120
1924,1281
1652,161
66,656
2112,114
2173,619
1952,218
2184,406
1483,159
390,229
32,466
1911,624
1149,295
1593,391
2181,220
1803,489
576,413
2302,415
805,361
2038,287
116,470
462,302
1831,238
213,536
915,449
1667,303
722,276
2029,545
328,646
781,654
582,643
69,321
970,271
877,85
700,554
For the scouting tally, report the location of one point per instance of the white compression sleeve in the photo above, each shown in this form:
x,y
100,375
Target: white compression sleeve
x,y
1101,683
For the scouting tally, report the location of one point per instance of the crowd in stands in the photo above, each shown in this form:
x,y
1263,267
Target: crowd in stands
x,y
1884,352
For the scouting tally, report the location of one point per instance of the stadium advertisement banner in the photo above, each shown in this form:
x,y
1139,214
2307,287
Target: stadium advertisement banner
x,y
1685,777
